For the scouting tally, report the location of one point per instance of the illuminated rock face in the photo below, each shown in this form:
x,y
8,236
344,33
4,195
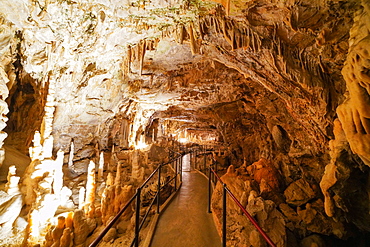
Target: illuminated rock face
x,y
11,205
121,82
354,112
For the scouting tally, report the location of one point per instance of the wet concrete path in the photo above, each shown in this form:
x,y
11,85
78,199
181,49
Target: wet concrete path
x,y
186,221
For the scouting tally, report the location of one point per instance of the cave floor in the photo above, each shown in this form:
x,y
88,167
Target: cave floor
x,y
186,221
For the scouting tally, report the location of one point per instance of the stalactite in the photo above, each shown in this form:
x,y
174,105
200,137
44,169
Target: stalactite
x,y
224,31
202,29
227,7
181,34
215,25
58,174
235,38
193,44
259,42
101,167
245,39
71,153
129,57
142,48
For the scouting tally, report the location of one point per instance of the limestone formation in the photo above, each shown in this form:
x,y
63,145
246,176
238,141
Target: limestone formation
x,y
269,218
330,176
354,112
113,199
81,227
10,206
4,92
264,172
299,192
101,166
89,202
277,90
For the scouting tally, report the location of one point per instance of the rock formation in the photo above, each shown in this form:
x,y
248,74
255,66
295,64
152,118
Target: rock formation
x,y
354,112
12,229
280,87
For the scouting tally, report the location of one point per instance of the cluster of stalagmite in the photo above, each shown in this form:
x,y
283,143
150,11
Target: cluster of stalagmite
x,y
114,196
12,226
42,183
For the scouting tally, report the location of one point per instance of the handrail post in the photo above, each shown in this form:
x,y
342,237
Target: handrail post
x,y
181,168
191,156
224,215
176,168
204,161
195,159
137,216
159,190
209,190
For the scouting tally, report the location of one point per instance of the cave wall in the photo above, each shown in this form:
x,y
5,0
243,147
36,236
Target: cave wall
x,y
267,77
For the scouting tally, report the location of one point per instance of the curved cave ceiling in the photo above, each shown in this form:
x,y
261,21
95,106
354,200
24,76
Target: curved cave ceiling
x,y
283,80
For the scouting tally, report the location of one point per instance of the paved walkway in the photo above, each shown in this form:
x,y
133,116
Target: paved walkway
x,y
186,221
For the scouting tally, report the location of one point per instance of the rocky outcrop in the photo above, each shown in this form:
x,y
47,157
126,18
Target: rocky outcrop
x,y
354,112
240,229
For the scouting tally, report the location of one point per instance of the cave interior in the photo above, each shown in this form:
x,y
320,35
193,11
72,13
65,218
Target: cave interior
x,y
94,95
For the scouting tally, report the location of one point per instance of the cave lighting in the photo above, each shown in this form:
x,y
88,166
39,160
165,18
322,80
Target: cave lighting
x,y
183,140
141,145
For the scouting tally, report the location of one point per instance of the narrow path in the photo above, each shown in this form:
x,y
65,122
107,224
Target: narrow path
x,y
186,222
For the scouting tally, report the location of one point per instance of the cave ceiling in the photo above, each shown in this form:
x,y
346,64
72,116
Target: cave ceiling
x,y
278,61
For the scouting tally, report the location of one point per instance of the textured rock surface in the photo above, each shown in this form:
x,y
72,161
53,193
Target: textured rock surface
x,y
126,80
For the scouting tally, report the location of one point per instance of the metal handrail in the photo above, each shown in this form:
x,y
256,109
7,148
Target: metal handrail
x,y
252,220
139,224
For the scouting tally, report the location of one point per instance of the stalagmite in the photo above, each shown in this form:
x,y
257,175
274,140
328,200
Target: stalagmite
x,y
11,205
66,238
90,189
117,180
58,231
36,151
11,187
81,198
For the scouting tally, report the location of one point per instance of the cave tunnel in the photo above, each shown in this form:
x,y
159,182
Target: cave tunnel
x,y
112,105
